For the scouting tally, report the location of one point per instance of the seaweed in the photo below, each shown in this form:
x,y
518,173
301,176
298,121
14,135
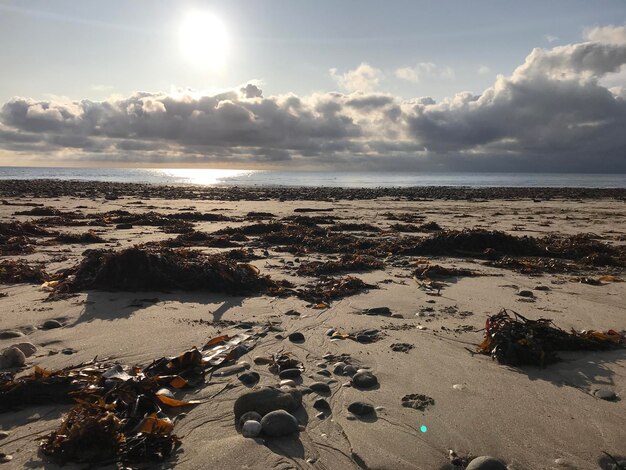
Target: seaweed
x,y
19,271
347,263
87,237
354,227
154,268
515,340
328,289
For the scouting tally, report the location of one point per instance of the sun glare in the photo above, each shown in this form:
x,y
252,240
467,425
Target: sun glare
x,y
204,39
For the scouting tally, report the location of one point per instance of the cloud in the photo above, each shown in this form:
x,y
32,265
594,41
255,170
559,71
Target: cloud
x,y
483,70
423,70
550,38
364,78
553,113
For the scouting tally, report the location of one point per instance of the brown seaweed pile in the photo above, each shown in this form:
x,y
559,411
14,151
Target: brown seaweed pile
x,y
347,263
515,340
86,237
327,289
153,268
19,271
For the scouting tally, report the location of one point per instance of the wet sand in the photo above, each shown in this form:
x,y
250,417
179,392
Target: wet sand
x,y
530,417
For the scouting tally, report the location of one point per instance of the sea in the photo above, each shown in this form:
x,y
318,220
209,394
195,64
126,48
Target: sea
x,y
265,178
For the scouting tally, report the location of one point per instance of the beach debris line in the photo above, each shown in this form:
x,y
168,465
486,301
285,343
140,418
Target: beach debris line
x,y
19,271
515,340
121,413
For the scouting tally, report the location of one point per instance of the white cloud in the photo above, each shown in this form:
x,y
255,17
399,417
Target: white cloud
x,y
550,38
424,70
483,70
364,78
606,34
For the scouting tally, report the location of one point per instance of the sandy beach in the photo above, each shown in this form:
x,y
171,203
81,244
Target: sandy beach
x,y
434,394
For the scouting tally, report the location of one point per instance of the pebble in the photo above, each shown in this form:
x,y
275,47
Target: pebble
x,y
9,334
68,351
605,394
351,417
349,370
249,416
287,383
385,311
279,423
321,365
321,404
4,458
397,315
249,378
330,331
296,337
364,380
27,348
12,357
290,373
230,370
50,325
526,293
485,462
3,435
251,428
543,288
360,408
320,387
320,415
261,360
338,367
267,399
166,392
459,387
328,356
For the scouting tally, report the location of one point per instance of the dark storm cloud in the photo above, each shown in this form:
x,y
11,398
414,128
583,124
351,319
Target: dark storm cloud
x,y
552,113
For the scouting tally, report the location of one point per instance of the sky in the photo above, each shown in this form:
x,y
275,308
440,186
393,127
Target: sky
x,y
349,85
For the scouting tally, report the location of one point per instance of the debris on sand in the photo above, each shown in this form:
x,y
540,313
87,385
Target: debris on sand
x,y
154,268
435,271
417,401
196,238
328,289
347,263
515,340
354,227
19,271
120,413
87,237
46,211
25,229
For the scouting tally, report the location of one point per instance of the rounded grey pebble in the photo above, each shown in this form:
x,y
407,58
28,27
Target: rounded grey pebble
x,y
526,293
27,348
9,334
364,380
290,374
320,415
249,416
330,331
360,408
279,423
12,357
605,394
323,372
321,404
296,337
485,462
349,370
338,367
251,428
328,356
50,325
249,378
321,365
320,387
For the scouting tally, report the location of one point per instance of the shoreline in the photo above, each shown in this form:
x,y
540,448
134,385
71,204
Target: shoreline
x,y
77,188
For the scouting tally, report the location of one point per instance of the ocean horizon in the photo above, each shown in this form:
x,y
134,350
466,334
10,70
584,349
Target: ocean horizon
x,y
348,179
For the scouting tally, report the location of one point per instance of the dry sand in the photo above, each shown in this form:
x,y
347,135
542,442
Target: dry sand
x,y
528,417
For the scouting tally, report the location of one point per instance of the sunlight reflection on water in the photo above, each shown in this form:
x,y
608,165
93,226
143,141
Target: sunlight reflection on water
x,y
204,176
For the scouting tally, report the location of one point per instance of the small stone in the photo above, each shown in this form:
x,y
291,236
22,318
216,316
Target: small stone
x,y
543,288
397,315
321,365
350,417
346,385
525,293
292,312
320,388
349,370
251,428
338,367
244,364
267,399
68,351
328,356
384,311
485,463
166,392
4,458
50,325
320,415
27,348
364,380
321,404
9,334
290,373
279,423
459,387
261,360
330,331
380,408
360,408
605,394
296,337
287,383
249,378
12,357
249,416
324,372
3,435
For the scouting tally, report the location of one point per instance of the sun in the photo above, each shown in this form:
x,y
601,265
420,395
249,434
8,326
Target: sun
x,y
204,39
